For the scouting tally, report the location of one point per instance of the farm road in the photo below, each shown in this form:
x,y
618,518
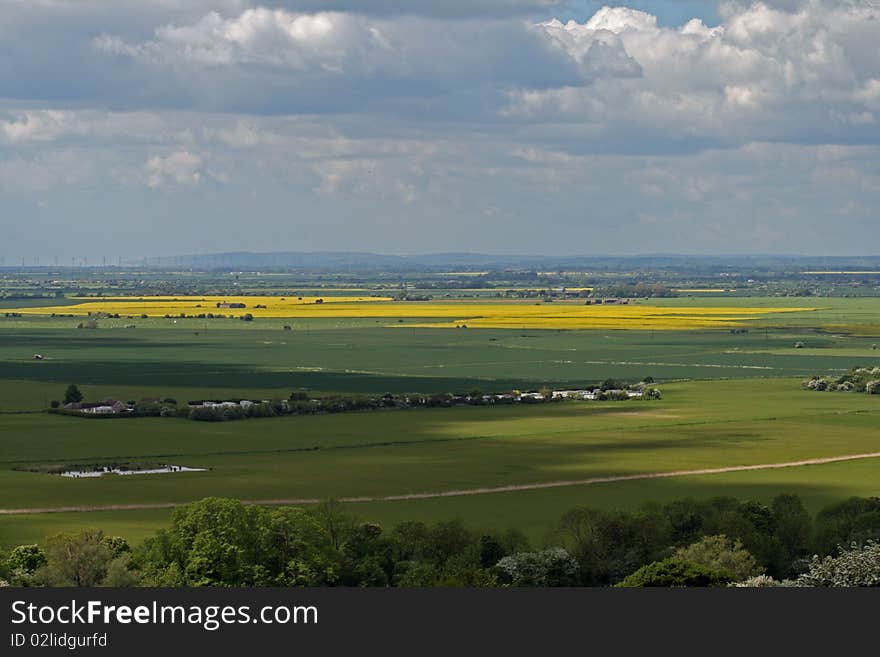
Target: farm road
x,y
469,491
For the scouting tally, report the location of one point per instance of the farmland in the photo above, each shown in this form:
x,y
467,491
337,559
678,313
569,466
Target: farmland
x,y
475,315
698,425
729,367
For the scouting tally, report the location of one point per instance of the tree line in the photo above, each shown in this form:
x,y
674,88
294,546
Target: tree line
x,y
300,402
688,542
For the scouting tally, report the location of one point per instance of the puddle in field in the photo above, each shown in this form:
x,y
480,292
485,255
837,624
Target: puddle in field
x,y
168,469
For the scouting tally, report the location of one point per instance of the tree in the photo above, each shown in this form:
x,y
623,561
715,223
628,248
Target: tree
x,y
337,522
676,572
26,559
72,395
491,551
720,553
117,545
446,539
855,566
77,559
553,567
793,533
222,542
854,520
608,545
120,573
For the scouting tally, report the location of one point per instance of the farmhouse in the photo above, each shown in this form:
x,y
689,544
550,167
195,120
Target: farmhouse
x,y
106,407
225,304
244,403
575,394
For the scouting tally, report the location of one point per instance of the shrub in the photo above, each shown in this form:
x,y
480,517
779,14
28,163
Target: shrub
x,y
720,553
553,567
26,558
759,581
77,559
855,566
205,414
676,572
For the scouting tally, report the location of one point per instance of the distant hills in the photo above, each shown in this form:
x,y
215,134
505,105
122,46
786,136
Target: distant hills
x,y
465,262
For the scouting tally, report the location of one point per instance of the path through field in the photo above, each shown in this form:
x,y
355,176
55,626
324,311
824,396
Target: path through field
x,y
469,491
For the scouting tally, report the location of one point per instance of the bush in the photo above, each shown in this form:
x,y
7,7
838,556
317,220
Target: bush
x,y
77,559
205,414
720,553
760,581
553,567
676,572
26,558
855,566
856,520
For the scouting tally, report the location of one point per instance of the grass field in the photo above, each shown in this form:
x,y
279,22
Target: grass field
x,y
533,512
697,425
729,399
267,360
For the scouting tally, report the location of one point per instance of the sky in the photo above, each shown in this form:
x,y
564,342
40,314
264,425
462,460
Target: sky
x,y
139,128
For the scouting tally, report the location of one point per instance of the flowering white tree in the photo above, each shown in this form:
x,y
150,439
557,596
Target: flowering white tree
x,y
855,566
553,567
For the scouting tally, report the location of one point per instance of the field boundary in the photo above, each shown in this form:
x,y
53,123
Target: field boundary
x,y
464,492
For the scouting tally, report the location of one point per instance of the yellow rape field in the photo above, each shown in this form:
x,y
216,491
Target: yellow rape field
x,y
159,306
635,317
497,315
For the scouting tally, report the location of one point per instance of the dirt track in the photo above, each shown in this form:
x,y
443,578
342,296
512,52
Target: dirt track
x,y
469,491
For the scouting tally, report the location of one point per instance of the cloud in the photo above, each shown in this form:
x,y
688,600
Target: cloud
x,y
332,44
802,72
181,167
407,125
33,126
20,127
763,73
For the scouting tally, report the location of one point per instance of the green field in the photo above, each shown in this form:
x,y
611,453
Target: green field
x,y
699,424
728,399
358,356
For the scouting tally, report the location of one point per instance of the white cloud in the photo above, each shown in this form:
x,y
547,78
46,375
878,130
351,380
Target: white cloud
x,y
33,126
621,131
330,42
92,126
763,73
869,93
181,167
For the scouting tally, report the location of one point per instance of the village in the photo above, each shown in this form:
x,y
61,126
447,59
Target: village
x,y
300,403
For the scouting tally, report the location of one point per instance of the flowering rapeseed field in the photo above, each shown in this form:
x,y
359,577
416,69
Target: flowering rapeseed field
x,y
444,314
